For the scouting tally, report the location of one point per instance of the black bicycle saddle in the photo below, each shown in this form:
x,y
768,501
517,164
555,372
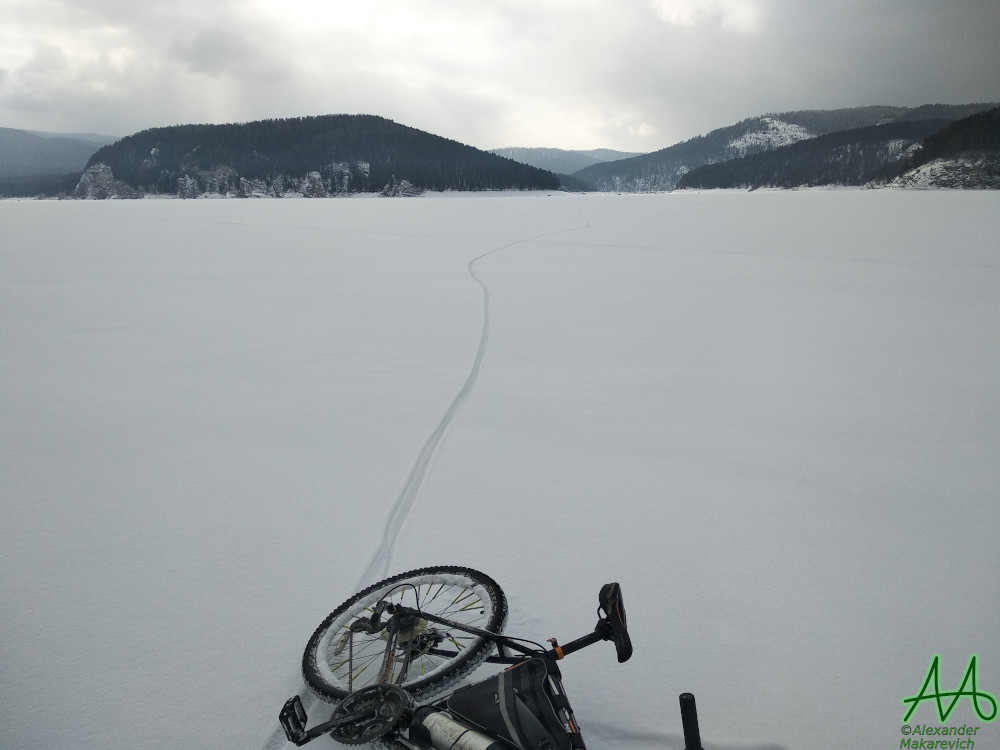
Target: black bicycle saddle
x,y
613,622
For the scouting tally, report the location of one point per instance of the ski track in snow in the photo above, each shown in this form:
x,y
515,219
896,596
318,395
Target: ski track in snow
x,y
378,567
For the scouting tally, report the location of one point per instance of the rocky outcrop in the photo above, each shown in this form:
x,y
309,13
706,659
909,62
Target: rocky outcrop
x,y
312,186
99,183
970,170
400,189
337,178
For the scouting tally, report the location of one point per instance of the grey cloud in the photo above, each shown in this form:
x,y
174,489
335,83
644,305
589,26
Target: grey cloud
x,y
47,60
215,51
572,73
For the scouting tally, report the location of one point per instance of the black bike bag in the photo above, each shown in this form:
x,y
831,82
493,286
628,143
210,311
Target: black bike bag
x,y
525,706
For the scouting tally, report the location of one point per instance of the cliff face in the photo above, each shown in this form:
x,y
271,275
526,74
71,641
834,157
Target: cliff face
x,y
99,183
400,189
970,170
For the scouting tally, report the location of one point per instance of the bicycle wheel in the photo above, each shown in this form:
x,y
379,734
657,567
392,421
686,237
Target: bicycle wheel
x,y
428,657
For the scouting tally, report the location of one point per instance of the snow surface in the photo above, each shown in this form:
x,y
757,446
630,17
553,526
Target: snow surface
x,y
773,417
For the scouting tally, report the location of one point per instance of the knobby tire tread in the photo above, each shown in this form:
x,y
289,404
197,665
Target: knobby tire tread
x,y
428,687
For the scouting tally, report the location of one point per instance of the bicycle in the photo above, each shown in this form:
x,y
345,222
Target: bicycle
x,y
410,637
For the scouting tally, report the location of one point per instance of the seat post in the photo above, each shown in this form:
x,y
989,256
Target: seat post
x,y
588,640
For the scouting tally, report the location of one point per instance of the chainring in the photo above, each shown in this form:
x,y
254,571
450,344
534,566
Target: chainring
x,y
380,709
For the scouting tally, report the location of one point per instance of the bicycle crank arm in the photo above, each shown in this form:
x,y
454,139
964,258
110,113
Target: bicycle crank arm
x,y
293,720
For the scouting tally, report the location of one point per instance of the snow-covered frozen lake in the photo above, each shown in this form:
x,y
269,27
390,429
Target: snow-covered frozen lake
x,y
773,417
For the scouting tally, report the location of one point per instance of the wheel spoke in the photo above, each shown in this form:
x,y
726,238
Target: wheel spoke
x,y
416,661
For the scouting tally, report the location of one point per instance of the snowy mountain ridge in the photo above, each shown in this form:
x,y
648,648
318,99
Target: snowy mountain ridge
x,y
336,155
774,134
847,157
665,169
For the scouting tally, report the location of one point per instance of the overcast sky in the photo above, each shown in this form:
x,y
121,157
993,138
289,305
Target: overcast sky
x,y
628,74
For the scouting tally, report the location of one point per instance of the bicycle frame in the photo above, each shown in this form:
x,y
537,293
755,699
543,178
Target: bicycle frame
x,y
600,633
384,709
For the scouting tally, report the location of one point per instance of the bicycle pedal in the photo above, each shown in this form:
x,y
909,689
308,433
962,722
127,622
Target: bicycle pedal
x,y
293,720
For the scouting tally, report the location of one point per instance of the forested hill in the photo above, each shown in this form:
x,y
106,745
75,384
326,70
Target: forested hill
x,y
966,154
846,157
963,153
664,169
27,154
47,163
979,132
313,156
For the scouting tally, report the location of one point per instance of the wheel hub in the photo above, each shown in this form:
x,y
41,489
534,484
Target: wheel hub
x,y
410,628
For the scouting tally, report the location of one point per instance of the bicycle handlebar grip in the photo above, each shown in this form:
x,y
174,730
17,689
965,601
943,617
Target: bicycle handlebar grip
x,y
689,720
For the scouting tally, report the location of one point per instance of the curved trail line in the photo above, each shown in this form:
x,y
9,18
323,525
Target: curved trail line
x,y
379,565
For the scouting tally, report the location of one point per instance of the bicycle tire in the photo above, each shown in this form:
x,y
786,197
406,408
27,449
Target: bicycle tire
x,y
337,662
